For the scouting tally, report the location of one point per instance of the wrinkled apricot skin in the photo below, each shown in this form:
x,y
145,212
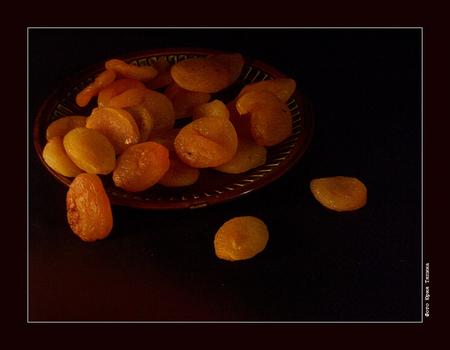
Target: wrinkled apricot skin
x,y
141,166
90,150
200,74
249,155
270,118
283,88
103,79
60,127
241,238
232,62
179,173
88,208
56,158
207,142
116,124
125,70
339,193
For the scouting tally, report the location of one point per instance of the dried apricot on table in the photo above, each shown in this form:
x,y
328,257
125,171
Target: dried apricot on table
x,y
241,238
200,74
90,150
207,142
61,126
126,70
249,155
283,88
103,79
88,208
270,118
339,193
116,124
56,158
141,166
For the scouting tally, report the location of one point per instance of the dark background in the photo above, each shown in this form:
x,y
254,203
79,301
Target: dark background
x,y
319,265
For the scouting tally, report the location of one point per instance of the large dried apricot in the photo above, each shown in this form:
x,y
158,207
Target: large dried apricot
x,y
339,193
233,64
283,88
200,74
271,119
116,88
207,142
157,104
126,70
103,79
214,108
88,208
184,101
249,155
241,238
179,173
62,126
56,158
141,166
90,150
116,124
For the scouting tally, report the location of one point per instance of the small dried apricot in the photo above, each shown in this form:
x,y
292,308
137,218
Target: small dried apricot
x,y
184,101
179,173
200,74
214,108
271,119
103,79
116,124
163,78
339,193
283,88
116,88
207,142
56,158
241,238
141,166
90,150
249,155
62,126
88,208
126,70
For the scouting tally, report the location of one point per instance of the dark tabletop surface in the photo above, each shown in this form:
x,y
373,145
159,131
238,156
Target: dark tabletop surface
x,y
319,265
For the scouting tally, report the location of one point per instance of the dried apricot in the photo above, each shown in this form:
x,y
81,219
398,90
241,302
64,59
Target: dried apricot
x,y
200,74
270,118
157,104
143,120
126,70
241,238
163,78
103,79
90,150
62,126
283,88
184,101
88,208
141,166
339,193
56,158
232,62
207,142
214,108
116,88
179,173
249,155
116,124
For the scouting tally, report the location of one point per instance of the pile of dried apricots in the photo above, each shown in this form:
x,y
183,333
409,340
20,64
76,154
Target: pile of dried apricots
x,y
131,134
